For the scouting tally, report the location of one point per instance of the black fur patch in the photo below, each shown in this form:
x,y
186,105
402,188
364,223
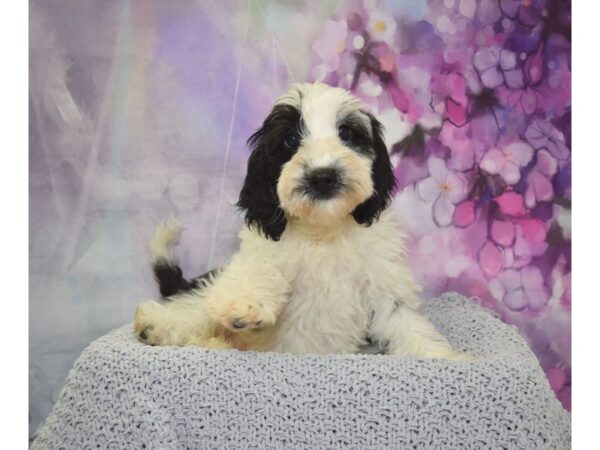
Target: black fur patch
x,y
170,278
258,198
384,180
171,281
354,134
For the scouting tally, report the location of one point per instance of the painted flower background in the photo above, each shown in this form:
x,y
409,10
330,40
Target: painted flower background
x,y
139,109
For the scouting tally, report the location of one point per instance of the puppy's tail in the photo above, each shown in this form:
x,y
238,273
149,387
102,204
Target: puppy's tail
x,y
167,272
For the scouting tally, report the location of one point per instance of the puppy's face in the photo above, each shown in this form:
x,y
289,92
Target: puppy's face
x,y
318,157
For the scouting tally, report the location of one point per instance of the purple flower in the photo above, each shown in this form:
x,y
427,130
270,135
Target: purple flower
x,y
508,161
542,134
551,95
444,188
525,12
488,12
521,289
496,66
539,181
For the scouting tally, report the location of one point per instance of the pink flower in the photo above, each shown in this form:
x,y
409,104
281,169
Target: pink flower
x,y
508,161
530,242
464,215
511,204
539,181
503,233
456,100
521,289
491,259
534,229
456,112
534,66
444,188
463,147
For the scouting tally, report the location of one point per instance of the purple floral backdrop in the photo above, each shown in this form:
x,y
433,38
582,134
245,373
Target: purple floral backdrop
x,y
139,109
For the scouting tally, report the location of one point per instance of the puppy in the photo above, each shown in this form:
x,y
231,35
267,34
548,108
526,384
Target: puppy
x,y
322,265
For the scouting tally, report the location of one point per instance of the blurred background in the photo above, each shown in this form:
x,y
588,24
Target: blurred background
x,y
141,109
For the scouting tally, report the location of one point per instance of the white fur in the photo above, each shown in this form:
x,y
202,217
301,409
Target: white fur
x,y
163,239
317,290
325,285
323,107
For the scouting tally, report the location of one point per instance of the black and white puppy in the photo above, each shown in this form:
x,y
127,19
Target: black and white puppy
x,y
321,265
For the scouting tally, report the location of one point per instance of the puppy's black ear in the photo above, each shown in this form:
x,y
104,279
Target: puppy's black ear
x,y
258,197
384,180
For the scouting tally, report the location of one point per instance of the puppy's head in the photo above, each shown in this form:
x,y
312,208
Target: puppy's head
x,y
318,157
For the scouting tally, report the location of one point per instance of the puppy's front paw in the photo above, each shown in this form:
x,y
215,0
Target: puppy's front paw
x,y
147,324
239,315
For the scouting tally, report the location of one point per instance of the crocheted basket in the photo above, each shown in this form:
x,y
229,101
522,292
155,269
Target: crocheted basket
x,y
125,395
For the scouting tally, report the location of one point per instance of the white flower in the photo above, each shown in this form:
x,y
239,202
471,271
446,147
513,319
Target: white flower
x,y
508,161
382,27
444,188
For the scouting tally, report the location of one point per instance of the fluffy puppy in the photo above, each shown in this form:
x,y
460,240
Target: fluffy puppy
x,y
322,265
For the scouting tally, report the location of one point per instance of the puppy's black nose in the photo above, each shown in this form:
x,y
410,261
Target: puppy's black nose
x,y
324,182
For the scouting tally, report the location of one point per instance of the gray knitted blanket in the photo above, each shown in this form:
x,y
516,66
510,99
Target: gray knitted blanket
x,y
122,394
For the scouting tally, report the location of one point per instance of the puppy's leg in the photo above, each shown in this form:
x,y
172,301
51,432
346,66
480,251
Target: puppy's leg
x,y
182,321
408,332
248,293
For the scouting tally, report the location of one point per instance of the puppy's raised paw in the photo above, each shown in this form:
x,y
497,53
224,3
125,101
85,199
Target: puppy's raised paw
x,y
241,315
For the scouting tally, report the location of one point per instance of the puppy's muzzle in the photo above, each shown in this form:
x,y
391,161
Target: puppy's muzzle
x,y
323,183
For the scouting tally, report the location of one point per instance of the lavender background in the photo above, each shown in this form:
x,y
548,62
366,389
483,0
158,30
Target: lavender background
x,y
139,109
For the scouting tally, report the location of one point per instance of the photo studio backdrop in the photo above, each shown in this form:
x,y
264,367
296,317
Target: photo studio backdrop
x,y
140,109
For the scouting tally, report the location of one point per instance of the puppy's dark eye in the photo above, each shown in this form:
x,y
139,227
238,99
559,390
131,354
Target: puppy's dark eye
x,y
291,141
346,133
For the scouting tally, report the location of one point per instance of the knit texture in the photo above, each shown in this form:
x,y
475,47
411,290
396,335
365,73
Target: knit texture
x,y
122,394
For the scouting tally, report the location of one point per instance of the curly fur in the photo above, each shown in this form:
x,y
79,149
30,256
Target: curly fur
x,y
322,265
